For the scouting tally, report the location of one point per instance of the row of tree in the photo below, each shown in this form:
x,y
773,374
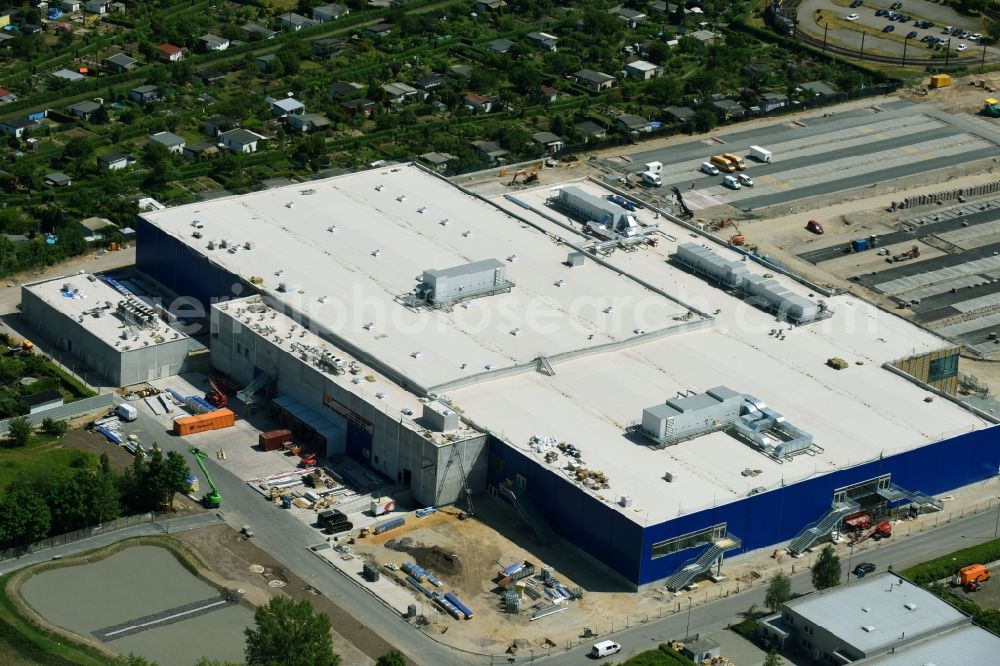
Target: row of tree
x,y
61,502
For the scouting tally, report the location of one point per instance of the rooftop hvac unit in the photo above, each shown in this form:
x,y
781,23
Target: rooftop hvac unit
x,y
669,476
379,188
625,501
210,245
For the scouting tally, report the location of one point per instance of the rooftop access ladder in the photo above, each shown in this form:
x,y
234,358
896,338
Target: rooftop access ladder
x,y
530,514
701,563
247,393
894,493
822,527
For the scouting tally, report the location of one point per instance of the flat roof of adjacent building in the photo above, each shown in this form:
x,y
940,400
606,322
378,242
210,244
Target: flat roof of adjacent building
x,y
87,295
348,248
875,612
963,646
367,383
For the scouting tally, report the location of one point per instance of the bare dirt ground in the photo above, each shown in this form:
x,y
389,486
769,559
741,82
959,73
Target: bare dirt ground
x,y
468,555
232,558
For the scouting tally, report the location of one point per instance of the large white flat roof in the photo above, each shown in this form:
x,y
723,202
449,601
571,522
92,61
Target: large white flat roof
x,y
855,414
348,247
86,302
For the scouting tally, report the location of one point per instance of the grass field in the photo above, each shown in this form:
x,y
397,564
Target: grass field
x,y
43,455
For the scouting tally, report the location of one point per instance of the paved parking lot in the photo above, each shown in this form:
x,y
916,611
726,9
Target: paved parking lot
x,y
824,154
810,15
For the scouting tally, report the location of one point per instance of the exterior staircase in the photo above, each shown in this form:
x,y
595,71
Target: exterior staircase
x,y
544,366
701,563
530,514
247,393
895,493
822,527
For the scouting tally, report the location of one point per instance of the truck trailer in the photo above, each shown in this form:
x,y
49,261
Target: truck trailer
x,y
761,154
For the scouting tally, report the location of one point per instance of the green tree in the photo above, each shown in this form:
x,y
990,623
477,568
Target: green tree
x,y
773,659
287,633
778,591
826,571
78,148
993,29
56,427
19,430
133,660
391,658
24,516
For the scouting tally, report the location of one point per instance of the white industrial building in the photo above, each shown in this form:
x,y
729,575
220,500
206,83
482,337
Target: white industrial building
x,y
386,302
883,619
106,328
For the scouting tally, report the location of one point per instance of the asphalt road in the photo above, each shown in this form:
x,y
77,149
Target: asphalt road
x,y
914,233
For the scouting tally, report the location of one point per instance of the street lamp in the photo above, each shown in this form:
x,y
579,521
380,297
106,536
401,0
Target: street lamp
x,y
947,51
847,576
906,40
996,530
687,631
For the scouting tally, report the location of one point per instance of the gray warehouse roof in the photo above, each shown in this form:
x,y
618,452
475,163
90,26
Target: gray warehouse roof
x,y
872,614
959,647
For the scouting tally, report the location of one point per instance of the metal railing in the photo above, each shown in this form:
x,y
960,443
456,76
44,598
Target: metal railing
x,y
78,535
69,410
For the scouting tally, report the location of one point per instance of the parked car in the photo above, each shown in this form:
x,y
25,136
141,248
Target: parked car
x,y
881,12
852,17
896,5
889,28
745,180
946,30
912,34
856,4
731,182
709,168
815,227
864,568
962,47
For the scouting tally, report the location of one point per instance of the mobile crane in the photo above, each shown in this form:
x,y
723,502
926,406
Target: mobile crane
x,y
216,397
212,499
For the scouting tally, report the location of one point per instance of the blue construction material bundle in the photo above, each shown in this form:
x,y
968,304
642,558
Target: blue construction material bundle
x,y
434,580
176,396
449,607
513,569
549,593
422,513
414,570
564,593
459,605
415,583
390,524
110,435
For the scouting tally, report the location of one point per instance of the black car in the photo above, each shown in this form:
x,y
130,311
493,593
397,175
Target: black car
x,y
881,12
912,35
888,28
927,38
856,4
904,19
864,568
896,5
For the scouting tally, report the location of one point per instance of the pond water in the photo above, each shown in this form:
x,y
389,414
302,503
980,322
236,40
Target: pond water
x,y
137,582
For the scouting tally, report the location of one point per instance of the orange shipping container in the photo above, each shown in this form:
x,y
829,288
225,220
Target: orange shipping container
x,y
214,420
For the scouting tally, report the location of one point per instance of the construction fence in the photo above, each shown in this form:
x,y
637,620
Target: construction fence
x,y
78,535
68,411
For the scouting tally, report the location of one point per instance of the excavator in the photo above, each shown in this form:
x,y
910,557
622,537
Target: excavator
x,y
212,499
529,178
736,239
688,213
883,530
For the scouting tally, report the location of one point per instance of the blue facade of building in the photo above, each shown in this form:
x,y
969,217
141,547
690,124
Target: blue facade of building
x,y
183,270
758,521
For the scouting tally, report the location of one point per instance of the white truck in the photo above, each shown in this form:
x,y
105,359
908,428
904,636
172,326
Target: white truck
x,y
760,154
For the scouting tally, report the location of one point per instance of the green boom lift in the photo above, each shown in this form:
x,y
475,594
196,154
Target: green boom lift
x,y
212,499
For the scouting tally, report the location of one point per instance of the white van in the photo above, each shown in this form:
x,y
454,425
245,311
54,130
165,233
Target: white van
x,y
651,179
709,168
731,182
604,648
126,412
